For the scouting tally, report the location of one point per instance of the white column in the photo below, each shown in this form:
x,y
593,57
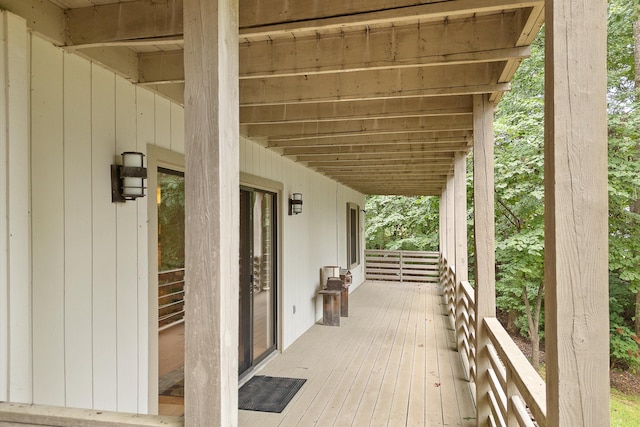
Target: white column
x,y
212,211
576,212
484,231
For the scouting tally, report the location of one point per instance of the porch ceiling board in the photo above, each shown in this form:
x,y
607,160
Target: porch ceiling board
x,y
376,95
337,128
369,139
357,110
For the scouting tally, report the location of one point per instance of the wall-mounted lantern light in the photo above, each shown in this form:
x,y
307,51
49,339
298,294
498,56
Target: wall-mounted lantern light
x,y
127,181
295,204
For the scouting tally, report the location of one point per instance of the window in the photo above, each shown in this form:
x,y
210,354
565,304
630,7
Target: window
x,y
353,235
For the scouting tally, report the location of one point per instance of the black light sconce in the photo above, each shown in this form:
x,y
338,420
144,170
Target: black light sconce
x,y
295,204
127,181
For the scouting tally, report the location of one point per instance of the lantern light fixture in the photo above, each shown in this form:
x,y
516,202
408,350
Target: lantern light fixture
x,y
295,204
127,180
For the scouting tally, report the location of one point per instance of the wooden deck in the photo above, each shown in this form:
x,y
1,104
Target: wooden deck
x,y
391,363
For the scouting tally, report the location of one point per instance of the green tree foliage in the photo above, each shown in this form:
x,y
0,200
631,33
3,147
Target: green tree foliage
x,y
519,165
412,223
624,184
402,223
171,222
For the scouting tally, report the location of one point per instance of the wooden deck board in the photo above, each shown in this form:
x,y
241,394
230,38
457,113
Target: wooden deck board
x,y
392,362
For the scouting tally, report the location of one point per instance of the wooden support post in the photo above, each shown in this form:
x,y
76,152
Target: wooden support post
x,y
460,216
451,238
212,211
443,222
484,233
460,221
576,252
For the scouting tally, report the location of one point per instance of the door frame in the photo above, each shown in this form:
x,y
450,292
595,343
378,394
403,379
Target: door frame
x,y
264,184
157,157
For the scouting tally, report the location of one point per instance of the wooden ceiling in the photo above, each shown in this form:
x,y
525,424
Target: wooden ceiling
x,y
376,94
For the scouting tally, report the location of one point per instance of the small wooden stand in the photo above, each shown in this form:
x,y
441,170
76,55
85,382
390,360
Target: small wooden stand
x,y
344,303
330,307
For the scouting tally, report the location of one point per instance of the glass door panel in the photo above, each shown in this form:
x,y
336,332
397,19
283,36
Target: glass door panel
x,y
257,277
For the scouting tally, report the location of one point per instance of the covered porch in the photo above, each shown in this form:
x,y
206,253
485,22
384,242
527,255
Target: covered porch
x,y
380,97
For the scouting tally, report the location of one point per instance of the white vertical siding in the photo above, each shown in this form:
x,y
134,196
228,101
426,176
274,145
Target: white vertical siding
x,y
15,297
89,256
105,367
78,248
163,123
126,264
47,166
144,135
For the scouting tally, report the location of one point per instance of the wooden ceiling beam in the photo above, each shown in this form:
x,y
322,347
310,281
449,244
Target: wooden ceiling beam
x,y
331,129
43,17
407,155
430,165
261,18
373,138
375,149
357,110
379,84
161,67
124,22
446,42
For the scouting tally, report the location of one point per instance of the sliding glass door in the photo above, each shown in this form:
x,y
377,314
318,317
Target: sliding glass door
x,y
257,277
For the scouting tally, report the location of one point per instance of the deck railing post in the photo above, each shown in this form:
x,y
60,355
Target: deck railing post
x,y
483,198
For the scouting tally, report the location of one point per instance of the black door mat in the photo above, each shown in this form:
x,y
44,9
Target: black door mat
x,y
268,394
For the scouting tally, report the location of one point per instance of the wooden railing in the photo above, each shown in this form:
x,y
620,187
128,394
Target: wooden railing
x,y
170,298
517,393
401,266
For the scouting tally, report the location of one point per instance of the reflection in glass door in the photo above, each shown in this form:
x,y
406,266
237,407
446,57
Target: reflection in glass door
x,y
257,277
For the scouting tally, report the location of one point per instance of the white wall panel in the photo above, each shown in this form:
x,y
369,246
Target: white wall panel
x,y
15,292
89,263
163,122
177,128
144,135
126,258
48,223
148,298
4,221
77,232
105,369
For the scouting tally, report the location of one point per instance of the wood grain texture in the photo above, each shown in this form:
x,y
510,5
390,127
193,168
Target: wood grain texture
x,y
484,232
212,209
576,253
387,364
460,216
